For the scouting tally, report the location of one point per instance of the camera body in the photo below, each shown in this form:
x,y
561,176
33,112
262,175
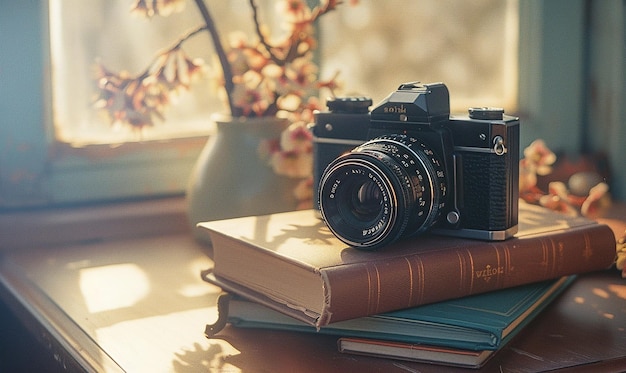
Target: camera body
x,y
408,166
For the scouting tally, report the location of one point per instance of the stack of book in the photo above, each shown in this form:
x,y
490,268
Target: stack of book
x,y
431,298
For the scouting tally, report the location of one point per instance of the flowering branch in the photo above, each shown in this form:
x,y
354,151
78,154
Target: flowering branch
x,y
221,54
301,20
259,78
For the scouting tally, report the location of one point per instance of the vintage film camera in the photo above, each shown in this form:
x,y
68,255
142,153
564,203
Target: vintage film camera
x,y
408,166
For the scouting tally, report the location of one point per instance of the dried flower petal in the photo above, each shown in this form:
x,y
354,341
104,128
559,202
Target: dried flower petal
x,y
557,199
592,202
541,156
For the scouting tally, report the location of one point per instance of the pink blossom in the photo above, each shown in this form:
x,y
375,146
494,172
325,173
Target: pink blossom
x,y
289,102
557,199
297,138
540,156
250,100
279,67
592,203
301,73
296,10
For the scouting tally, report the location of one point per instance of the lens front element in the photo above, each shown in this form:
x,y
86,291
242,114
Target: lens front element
x,y
366,201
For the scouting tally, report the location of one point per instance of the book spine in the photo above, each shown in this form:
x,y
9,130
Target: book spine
x,y
374,287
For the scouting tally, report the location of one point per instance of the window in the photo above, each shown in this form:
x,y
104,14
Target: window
x,y
86,36
36,166
470,46
43,164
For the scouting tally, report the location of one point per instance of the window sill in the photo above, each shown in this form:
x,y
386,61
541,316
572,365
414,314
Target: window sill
x,y
92,223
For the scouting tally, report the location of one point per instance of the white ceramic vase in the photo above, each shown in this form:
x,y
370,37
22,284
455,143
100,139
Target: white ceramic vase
x,y
232,179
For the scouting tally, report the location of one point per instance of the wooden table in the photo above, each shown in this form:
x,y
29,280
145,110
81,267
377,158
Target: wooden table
x,y
139,305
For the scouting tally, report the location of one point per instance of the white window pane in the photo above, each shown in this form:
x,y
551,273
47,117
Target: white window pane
x,y
469,45
86,32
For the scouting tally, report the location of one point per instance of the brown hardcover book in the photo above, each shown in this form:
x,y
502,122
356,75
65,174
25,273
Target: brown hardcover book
x,y
291,262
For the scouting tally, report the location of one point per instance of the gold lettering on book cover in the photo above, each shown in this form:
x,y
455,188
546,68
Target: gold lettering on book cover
x,y
489,271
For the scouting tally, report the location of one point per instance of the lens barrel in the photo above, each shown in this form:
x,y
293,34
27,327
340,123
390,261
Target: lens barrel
x,y
387,188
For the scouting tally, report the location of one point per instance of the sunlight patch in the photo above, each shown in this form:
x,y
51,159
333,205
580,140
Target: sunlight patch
x,y
113,286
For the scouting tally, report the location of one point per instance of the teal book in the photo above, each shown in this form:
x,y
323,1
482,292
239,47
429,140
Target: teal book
x,y
477,323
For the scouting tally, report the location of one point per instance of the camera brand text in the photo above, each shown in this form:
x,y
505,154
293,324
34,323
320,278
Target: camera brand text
x,y
401,109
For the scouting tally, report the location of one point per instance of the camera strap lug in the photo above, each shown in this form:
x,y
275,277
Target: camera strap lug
x,y
498,145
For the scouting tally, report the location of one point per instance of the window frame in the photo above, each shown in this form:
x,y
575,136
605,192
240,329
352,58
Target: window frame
x,y
36,170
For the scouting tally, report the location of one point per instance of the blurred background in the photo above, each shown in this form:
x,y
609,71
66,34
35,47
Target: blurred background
x,y
559,65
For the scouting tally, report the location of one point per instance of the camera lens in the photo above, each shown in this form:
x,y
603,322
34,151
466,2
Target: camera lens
x,y
389,187
367,200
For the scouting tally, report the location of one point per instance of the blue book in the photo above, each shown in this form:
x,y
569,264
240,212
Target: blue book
x,y
481,322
